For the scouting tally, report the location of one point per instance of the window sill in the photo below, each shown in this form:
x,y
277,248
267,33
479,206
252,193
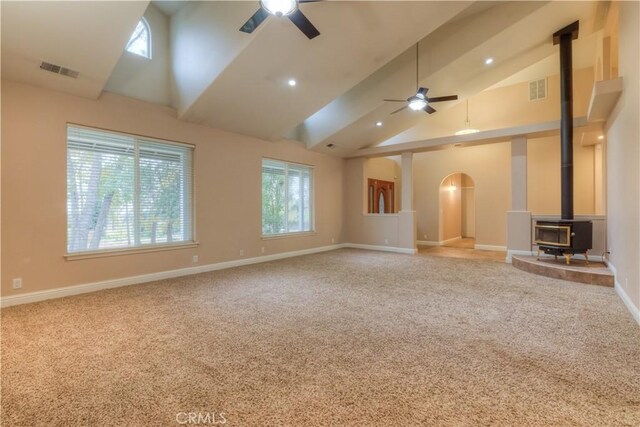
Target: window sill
x,y
286,235
129,251
382,215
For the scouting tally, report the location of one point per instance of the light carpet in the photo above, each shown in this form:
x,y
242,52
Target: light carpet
x,y
343,338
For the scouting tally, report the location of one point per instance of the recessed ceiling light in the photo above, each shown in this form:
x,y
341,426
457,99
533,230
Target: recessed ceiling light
x,y
379,124
488,61
292,82
601,137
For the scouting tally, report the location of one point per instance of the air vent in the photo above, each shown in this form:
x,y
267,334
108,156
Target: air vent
x,y
59,70
538,90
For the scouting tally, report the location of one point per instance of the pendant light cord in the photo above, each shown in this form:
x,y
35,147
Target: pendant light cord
x,y
417,62
467,122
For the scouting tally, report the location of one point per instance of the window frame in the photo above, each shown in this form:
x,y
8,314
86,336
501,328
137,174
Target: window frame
x,y
144,22
312,201
140,248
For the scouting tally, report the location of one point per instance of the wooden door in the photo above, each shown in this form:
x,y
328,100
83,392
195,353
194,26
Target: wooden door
x,y
380,196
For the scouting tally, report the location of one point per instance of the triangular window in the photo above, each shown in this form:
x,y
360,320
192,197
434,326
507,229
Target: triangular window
x,y
140,41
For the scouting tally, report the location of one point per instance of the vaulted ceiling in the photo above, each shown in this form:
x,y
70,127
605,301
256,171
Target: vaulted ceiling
x,y
223,78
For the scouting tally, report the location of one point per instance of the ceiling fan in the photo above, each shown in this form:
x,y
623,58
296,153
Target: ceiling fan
x,y
420,101
288,8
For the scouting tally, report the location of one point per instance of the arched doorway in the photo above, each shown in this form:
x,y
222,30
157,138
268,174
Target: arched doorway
x,y
457,211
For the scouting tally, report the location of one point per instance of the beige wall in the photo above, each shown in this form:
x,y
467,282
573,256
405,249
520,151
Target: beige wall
x,y
451,207
360,227
543,177
489,166
468,211
623,160
227,189
599,186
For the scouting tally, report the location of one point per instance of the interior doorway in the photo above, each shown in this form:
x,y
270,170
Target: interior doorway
x,y
457,211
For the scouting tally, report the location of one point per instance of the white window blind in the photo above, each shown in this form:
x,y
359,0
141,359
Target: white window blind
x,y
287,197
125,191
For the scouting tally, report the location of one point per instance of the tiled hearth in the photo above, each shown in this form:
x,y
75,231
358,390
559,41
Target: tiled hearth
x,y
594,273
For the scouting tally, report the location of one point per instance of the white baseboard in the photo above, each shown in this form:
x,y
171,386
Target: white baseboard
x,y
449,241
490,248
591,257
428,243
446,242
381,248
597,258
144,278
440,243
635,311
512,252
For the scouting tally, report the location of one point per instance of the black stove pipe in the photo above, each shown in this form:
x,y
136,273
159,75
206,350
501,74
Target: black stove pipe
x,y
565,38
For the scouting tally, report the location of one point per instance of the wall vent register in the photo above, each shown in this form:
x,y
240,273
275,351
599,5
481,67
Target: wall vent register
x,y
538,90
57,69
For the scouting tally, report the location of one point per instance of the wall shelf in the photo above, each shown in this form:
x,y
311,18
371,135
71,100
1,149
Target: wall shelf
x,y
604,97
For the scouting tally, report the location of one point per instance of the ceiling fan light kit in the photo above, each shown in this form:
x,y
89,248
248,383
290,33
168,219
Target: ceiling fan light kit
x,y
282,8
417,103
420,101
279,7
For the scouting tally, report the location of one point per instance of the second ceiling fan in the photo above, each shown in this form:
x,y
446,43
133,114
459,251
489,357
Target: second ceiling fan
x,y
288,8
420,101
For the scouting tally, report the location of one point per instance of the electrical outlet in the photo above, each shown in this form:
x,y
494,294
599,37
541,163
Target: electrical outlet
x,y
17,283
194,259
333,240
386,241
626,283
241,252
424,236
262,249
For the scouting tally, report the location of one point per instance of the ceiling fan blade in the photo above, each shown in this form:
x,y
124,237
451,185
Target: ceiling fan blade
x,y
395,100
429,109
254,21
399,109
423,90
443,98
304,24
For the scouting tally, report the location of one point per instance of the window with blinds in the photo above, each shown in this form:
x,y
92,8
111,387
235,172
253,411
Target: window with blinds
x,y
287,198
126,191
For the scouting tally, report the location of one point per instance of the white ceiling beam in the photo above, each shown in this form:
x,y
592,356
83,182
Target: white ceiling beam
x,y
536,130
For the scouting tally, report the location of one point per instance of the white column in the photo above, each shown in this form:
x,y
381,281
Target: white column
x,y
407,182
407,223
519,173
518,218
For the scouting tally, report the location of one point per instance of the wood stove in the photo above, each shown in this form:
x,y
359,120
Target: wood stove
x,y
564,238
